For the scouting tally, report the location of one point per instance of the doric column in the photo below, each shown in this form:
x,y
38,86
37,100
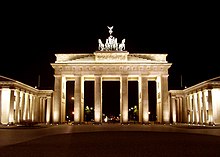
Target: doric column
x,y
5,105
77,100
140,107
37,109
82,100
41,109
173,108
26,107
63,101
124,98
11,111
145,100
184,109
164,96
188,108
178,109
216,104
195,108
159,103
98,99
0,105
181,109
33,108
210,111
22,100
48,110
17,108
191,108
204,102
199,107
163,110
57,99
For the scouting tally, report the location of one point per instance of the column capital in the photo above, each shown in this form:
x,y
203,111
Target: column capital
x,y
124,75
98,75
78,75
144,76
57,75
173,97
165,75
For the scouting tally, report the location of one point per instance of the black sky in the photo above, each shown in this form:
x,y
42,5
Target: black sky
x,y
31,33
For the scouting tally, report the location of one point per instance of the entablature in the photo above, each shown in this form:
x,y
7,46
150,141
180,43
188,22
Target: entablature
x,y
111,69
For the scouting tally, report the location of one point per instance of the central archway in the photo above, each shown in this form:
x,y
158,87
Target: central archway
x,y
111,101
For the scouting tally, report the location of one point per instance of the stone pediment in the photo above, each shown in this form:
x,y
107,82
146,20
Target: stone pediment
x,y
63,58
2,78
149,57
111,57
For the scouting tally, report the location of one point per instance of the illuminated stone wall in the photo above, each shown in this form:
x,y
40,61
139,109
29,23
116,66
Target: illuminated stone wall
x,y
20,102
111,65
199,104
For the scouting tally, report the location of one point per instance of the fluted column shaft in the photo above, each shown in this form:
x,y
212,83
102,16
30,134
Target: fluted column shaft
x,y
11,111
199,107
124,99
210,111
17,107
5,105
77,100
178,109
48,110
191,109
57,99
98,99
145,100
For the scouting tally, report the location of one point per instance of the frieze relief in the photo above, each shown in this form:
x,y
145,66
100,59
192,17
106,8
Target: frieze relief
x,y
110,56
105,69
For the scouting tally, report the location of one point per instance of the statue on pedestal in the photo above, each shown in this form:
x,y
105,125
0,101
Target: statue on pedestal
x,y
110,30
111,43
121,46
101,45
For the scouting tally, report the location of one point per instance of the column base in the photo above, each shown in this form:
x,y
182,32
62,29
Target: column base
x,y
56,123
146,123
97,123
166,123
76,123
125,123
211,123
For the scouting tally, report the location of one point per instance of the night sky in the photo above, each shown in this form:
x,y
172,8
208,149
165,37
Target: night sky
x,y
31,33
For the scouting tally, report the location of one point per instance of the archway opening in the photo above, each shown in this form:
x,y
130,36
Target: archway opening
x,y
111,101
89,101
152,100
133,113
70,101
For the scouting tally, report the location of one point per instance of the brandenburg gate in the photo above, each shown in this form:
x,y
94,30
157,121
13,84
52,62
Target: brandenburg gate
x,y
111,62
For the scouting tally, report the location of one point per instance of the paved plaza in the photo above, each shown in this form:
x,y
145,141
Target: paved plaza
x,y
107,140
